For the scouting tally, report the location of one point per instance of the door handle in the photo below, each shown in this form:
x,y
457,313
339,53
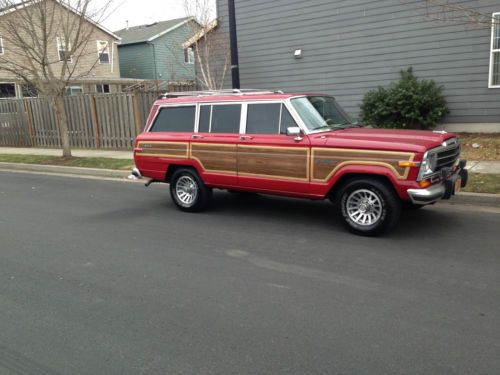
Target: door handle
x,y
246,138
197,136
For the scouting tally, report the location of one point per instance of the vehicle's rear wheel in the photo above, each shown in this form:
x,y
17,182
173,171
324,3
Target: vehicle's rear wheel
x,y
368,206
188,191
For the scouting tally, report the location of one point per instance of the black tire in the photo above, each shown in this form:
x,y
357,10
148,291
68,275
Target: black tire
x,y
187,181
374,207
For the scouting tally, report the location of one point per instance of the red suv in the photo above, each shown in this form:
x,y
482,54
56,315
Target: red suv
x,y
300,145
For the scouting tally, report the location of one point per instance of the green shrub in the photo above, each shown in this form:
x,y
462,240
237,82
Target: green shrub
x,y
408,104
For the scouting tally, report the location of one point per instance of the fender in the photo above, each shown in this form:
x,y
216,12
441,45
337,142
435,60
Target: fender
x,y
400,185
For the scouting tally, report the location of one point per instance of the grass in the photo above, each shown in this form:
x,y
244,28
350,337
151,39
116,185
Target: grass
x,y
483,183
101,163
489,146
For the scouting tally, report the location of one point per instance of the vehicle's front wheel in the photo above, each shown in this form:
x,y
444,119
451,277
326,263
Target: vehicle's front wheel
x,y
188,191
369,206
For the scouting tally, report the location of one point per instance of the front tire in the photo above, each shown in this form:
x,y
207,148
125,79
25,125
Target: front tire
x,y
368,206
188,191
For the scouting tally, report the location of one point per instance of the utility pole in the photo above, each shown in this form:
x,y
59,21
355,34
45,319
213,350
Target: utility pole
x,y
235,69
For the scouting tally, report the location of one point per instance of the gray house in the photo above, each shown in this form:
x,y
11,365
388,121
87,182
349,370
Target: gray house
x,y
346,48
155,51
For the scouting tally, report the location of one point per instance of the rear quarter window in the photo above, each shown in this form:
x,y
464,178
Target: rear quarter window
x,y
174,119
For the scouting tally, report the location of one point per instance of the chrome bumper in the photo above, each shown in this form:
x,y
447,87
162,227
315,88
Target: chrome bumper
x,y
427,196
443,190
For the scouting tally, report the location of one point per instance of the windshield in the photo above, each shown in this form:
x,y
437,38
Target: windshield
x,y
321,113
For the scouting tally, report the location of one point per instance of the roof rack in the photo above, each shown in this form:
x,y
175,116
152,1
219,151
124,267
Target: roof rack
x,y
176,94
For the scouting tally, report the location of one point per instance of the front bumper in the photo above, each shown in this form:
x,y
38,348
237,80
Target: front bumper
x,y
452,179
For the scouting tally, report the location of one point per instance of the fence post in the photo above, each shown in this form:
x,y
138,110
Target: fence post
x,y
29,117
137,114
95,121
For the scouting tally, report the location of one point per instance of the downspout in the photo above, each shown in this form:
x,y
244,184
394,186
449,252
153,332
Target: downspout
x,y
154,61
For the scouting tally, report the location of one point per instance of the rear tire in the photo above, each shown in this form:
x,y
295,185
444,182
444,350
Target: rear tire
x,y
368,206
188,191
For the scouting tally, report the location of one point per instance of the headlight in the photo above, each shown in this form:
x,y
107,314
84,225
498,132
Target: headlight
x,y
428,166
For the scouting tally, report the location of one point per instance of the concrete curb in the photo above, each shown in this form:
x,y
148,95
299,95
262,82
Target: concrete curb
x,y
56,169
477,199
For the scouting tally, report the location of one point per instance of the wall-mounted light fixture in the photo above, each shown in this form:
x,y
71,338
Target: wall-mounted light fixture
x,y
298,53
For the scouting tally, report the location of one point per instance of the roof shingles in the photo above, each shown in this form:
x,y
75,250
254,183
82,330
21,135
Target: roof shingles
x,y
144,33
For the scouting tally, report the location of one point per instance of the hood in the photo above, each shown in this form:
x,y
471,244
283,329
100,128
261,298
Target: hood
x,y
385,139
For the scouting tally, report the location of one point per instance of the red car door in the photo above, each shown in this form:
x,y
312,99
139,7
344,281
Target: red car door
x,y
268,158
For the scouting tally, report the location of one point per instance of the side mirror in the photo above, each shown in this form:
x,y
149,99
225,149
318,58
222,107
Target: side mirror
x,y
293,131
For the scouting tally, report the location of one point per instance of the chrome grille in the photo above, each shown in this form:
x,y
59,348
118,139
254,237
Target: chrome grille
x,y
447,156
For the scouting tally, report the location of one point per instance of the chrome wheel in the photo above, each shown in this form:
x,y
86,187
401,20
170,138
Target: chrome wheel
x,y
364,207
186,190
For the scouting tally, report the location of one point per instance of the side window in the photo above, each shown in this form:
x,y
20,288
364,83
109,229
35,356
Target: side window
x,y
175,119
226,118
287,121
263,118
204,126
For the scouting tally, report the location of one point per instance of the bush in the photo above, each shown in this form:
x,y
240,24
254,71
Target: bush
x,y
408,104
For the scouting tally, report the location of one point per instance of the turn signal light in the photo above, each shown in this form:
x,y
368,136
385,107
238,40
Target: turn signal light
x,y
424,183
409,164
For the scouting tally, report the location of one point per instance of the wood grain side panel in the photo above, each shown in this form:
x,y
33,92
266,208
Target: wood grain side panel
x,y
164,149
218,158
274,162
325,162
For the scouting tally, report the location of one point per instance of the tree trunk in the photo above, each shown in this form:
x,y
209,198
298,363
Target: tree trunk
x,y
62,123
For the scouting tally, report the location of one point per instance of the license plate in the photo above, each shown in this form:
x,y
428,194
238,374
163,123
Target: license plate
x,y
458,185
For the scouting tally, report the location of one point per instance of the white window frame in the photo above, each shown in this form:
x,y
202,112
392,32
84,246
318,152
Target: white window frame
x,y
60,47
2,49
102,87
100,51
74,87
493,51
189,53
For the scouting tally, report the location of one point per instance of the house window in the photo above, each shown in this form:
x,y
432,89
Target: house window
x,y
189,55
29,91
495,51
103,52
7,90
74,90
102,88
2,51
64,53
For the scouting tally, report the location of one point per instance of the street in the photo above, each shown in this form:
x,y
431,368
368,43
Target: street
x,y
108,277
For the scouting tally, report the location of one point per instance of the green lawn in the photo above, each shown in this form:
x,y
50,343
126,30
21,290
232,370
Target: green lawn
x,y
101,163
483,183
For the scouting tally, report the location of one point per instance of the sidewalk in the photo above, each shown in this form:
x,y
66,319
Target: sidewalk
x,y
473,166
76,152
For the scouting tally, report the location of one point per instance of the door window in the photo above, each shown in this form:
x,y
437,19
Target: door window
x,y
263,118
226,118
174,119
205,113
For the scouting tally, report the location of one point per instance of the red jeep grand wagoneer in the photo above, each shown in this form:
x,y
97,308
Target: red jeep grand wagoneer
x,y
300,145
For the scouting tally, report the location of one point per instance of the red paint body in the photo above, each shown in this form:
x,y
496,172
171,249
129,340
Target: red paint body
x,y
417,142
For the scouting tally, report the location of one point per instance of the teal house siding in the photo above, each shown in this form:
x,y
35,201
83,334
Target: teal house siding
x,y
169,56
155,52
136,61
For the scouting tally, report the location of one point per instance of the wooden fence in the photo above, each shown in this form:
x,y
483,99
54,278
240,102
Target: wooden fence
x,y
109,121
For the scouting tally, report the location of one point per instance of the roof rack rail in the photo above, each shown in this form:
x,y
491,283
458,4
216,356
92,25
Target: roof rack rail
x,y
176,94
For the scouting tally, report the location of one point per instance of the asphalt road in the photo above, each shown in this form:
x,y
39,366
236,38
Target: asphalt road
x,y
107,277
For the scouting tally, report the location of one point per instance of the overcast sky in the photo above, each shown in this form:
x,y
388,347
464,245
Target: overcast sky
x,y
139,12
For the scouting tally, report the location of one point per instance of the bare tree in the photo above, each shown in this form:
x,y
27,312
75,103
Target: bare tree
x,y
458,12
211,49
30,30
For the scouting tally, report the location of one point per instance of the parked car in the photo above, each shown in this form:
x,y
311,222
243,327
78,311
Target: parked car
x,y
299,145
